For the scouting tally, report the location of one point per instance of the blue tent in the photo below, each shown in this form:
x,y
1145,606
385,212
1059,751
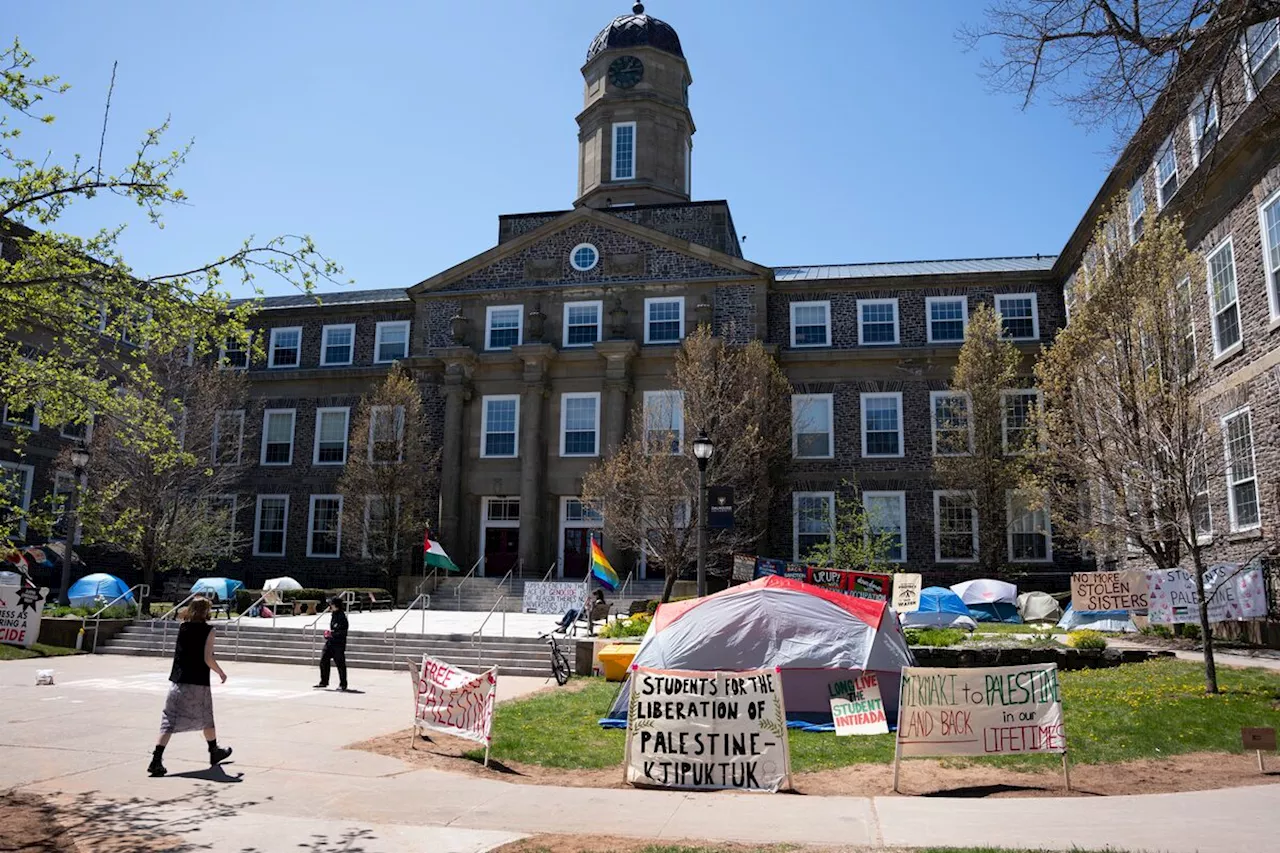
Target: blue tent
x,y
996,611
224,589
939,608
1117,621
88,589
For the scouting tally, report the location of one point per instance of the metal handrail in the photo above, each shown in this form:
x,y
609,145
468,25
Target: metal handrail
x,y
457,590
164,618
236,621
394,630
507,578
477,637
144,592
311,626
550,569
622,590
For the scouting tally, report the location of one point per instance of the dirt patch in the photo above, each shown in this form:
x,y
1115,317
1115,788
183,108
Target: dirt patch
x,y
613,844
30,825
1203,771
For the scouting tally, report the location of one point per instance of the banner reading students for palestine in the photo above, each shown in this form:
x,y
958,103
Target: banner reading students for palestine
x,y
998,710
856,706
707,730
1234,592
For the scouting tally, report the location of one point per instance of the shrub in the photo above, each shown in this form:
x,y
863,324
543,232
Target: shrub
x,y
118,611
935,636
633,626
1158,631
1191,631
1086,639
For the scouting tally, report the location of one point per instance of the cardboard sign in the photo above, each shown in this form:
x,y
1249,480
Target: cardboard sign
x,y
1003,710
1234,593
1259,739
1092,591
744,568
906,592
20,608
867,585
707,730
454,701
832,579
552,599
856,706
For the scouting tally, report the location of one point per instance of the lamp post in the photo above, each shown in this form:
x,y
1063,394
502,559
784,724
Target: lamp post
x,y
79,461
702,450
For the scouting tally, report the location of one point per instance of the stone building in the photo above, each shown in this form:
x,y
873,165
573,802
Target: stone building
x,y
533,355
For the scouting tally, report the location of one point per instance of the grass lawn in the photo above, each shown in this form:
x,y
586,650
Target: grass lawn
x,y
1145,710
1009,628
39,650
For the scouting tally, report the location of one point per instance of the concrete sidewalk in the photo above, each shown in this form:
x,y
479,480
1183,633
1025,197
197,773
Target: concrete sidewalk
x,y
291,785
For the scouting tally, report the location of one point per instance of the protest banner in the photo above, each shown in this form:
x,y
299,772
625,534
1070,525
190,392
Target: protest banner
x,y
906,592
1092,591
867,585
766,566
744,568
857,707
20,608
453,701
1003,710
832,579
1234,592
707,730
552,598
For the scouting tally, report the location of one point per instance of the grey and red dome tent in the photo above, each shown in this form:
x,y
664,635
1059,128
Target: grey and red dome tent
x,y
816,636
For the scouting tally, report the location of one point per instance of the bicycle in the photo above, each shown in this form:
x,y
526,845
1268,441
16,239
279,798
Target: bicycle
x,y
559,663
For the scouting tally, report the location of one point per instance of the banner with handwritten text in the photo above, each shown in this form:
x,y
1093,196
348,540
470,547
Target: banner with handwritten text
x,y
454,701
1234,592
1001,710
856,706
1094,591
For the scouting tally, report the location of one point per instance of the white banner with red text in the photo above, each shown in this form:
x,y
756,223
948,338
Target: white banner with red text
x,y
454,701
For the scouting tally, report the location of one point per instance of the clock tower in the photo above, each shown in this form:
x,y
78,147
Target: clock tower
x,y
635,132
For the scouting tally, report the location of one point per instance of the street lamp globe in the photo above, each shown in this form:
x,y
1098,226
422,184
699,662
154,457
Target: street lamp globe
x,y
702,446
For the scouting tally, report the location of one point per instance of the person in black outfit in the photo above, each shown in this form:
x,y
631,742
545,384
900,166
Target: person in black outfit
x,y
335,645
189,705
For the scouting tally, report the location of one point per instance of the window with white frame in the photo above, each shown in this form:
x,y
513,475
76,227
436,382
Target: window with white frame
x,y
28,417
584,257
499,426
952,426
133,326
664,320
1137,208
1019,316
882,424
1242,478
1221,266
504,326
502,510
813,521
1204,125
887,520
81,431
810,324
582,323
391,341
579,424
1269,216
1262,52
877,322
331,435
324,526
624,151
286,347
1030,537
269,526
221,510
664,422
277,436
337,345
811,426
955,527
228,437
1201,511
386,434
948,318
1019,427
234,354
380,527
15,483
1166,166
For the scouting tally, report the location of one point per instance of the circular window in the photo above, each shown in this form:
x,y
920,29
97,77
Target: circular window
x,y
584,257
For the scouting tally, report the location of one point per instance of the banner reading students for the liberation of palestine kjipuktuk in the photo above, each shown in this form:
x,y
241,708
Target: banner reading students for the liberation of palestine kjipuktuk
x,y
707,730
998,710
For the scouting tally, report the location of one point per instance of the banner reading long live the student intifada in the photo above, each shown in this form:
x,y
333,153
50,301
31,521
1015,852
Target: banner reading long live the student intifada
x,y
707,730
993,711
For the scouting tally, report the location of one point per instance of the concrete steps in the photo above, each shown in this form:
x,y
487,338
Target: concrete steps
x,y
513,655
482,594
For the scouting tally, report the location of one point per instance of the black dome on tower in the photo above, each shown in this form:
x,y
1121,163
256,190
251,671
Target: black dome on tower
x,y
636,30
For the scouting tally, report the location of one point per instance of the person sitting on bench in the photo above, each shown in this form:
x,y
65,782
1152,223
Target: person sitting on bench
x,y
595,605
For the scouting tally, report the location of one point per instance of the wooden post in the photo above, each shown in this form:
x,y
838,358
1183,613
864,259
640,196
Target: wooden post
x,y
413,681
897,740
1066,771
489,739
1262,768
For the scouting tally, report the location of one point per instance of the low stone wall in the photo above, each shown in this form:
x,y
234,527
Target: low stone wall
x,y
62,631
1065,658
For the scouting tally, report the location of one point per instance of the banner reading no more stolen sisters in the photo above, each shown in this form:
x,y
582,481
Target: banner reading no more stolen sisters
x,y
707,730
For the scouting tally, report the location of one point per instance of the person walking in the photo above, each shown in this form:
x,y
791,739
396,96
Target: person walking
x,y
189,705
335,645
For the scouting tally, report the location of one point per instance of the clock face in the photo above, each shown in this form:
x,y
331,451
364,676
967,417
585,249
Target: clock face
x,y
626,71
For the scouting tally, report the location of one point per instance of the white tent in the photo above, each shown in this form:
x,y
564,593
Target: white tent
x,y
816,636
277,586
1039,607
986,591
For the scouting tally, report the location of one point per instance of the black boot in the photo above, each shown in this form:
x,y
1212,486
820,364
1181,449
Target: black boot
x,y
156,767
217,754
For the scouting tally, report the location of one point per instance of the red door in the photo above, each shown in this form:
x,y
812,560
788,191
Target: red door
x,y
501,550
577,551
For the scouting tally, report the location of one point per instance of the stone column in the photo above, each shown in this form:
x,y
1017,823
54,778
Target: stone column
x,y
618,389
459,363
533,455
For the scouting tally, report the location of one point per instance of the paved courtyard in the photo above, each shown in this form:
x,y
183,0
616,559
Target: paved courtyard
x,y
291,786
464,622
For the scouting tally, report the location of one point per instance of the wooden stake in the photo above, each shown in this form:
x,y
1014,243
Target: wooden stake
x,y
413,681
1262,768
1066,771
897,741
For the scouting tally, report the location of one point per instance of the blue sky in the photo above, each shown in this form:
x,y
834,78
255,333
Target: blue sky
x,y
396,132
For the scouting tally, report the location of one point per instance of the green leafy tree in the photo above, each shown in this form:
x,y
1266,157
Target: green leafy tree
x,y
860,542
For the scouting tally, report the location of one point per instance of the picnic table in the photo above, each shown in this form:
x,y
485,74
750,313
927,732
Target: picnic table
x,y
307,603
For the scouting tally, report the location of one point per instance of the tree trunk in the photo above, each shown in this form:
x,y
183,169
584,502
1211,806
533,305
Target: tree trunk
x,y
669,584
1210,669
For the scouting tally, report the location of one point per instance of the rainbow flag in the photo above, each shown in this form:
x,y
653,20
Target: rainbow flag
x,y
600,566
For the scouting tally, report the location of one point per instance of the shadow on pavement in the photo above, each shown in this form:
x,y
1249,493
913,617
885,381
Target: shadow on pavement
x,y
351,841
209,774
980,791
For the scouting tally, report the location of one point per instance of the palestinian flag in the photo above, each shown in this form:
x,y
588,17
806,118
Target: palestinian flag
x,y
433,556
600,566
